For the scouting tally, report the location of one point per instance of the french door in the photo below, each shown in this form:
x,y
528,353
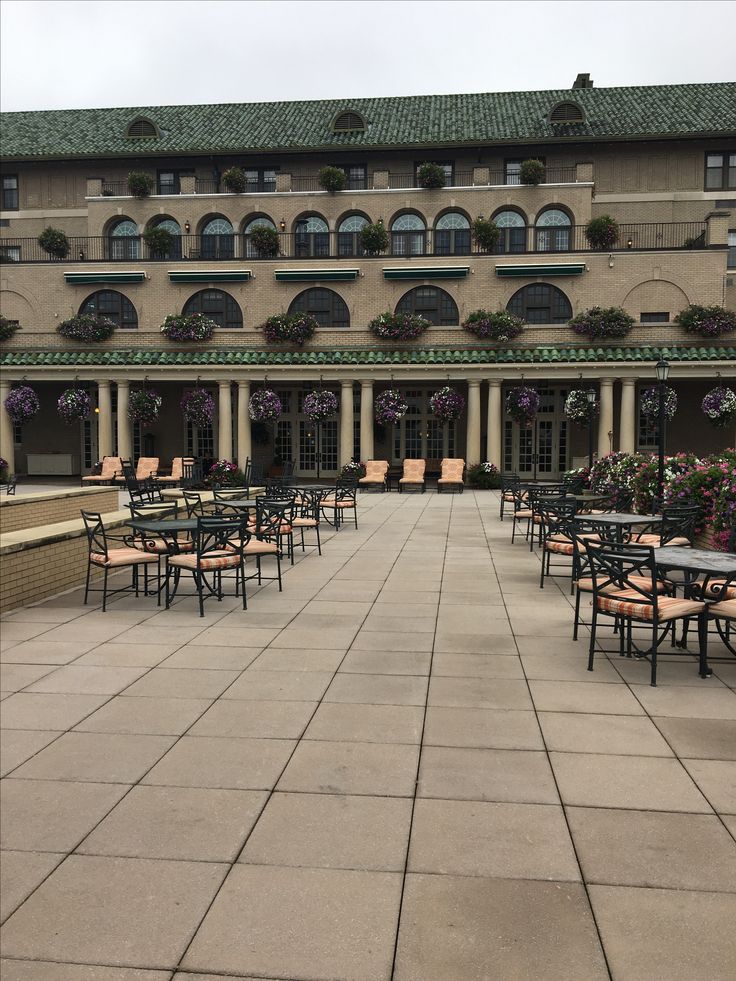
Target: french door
x,y
541,450
312,447
419,436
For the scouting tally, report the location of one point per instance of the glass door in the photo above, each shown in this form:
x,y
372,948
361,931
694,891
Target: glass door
x,y
540,450
419,436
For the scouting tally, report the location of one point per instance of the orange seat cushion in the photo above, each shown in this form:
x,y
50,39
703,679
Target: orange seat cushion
x,y
122,556
656,540
219,560
256,547
725,609
305,522
668,607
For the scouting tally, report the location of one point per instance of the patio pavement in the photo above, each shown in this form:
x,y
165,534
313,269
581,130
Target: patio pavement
x,y
397,769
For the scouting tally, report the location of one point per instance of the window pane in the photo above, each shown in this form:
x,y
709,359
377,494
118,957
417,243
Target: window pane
x,y
10,192
513,171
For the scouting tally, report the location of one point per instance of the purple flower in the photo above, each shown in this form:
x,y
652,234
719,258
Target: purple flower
x,y
522,404
264,405
447,404
22,404
649,404
195,327
74,404
320,405
198,407
390,407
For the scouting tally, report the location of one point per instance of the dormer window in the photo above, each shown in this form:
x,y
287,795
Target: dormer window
x,y
141,129
349,122
567,112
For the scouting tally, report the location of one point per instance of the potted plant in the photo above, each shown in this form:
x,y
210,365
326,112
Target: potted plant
x,y
235,180
500,326
483,476
649,403
398,326
599,323
198,407
706,321
447,404
265,241
431,176
159,241
192,328
7,328
319,405
264,405
332,179
531,171
74,404
225,473
353,470
389,407
144,406
294,329
522,404
88,328
374,238
486,234
140,184
22,404
602,232
577,407
54,242
719,405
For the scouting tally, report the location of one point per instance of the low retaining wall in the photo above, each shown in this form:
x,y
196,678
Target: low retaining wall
x,y
49,507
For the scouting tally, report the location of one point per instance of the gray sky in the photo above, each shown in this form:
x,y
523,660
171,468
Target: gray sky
x,y
81,53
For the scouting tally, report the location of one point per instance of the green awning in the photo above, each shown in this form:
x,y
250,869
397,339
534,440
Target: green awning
x,y
531,269
314,275
210,276
82,279
426,272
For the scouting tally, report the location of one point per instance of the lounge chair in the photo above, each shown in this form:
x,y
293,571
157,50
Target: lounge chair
x,y
376,472
451,475
177,470
112,467
413,475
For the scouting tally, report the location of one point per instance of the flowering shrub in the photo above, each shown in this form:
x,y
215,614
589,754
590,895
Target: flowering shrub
x,y
706,321
577,406
398,326
724,505
320,405
613,475
649,403
7,328
264,405
447,404
353,470
140,184
144,406
500,326
294,329
602,322
602,232
3,468
225,473
74,404
198,407
483,476
87,327
646,480
195,327
720,406
702,484
390,407
22,404
522,404
579,477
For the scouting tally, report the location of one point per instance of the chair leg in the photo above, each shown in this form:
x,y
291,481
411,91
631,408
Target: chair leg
x,y
86,585
576,621
319,543
278,570
705,670
104,591
653,679
199,585
593,625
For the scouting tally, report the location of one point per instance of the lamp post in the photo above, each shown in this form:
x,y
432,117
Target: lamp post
x,y
663,370
590,395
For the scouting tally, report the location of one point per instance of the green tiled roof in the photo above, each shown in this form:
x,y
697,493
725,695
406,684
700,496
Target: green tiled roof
x,y
433,356
434,120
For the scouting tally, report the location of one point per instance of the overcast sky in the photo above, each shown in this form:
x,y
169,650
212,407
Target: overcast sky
x,y
71,54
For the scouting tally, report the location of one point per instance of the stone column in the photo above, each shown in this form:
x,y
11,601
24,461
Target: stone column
x,y
627,437
104,420
366,420
245,448
125,440
346,422
7,446
472,446
225,423
605,420
494,437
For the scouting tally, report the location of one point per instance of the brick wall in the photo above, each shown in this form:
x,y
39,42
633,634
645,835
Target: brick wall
x,y
17,514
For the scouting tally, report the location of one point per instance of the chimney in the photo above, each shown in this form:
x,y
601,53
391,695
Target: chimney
x,y
583,81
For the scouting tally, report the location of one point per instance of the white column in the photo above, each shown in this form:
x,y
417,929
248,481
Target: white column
x,y
494,436
366,420
627,438
346,422
225,423
472,447
7,446
125,441
104,420
605,420
244,442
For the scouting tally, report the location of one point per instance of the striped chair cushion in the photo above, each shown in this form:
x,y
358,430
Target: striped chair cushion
x,y
559,546
725,609
305,523
656,540
221,560
122,556
586,585
668,607
256,547
715,589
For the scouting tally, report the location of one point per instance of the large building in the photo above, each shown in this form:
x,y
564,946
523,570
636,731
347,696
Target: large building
x,y
661,160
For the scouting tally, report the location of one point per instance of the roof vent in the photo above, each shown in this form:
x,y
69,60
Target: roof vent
x,y
141,129
567,112
349,121
583,81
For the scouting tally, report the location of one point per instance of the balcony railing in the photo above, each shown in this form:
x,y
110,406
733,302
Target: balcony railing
x,y
685,235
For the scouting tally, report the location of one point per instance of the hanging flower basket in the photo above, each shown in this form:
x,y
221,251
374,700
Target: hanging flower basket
x,y
7,328
295,329
720,406
650,403
706,321
144,406
198,407
22,404
87,328
74,404
264,405
320,405
602,322
500,326
398,326
447,404
194,328
389,408
577,406
522,404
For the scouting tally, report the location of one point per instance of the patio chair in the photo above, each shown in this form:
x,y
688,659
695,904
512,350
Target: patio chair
x,y
677,527
177,471
112,466
556,537
11,482
193,503
342,500
264,540
308,510
413,475
510,482
451,475
376,473
723,610
146,468
219,545
101,556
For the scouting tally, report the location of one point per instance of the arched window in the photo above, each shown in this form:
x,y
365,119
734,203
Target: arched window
x,y
260,221
326,305
348,235
434,304
553,231
452,234
540,304
312,237
513,232
218,241
114,306
218,306
124,241
408,235
171,226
